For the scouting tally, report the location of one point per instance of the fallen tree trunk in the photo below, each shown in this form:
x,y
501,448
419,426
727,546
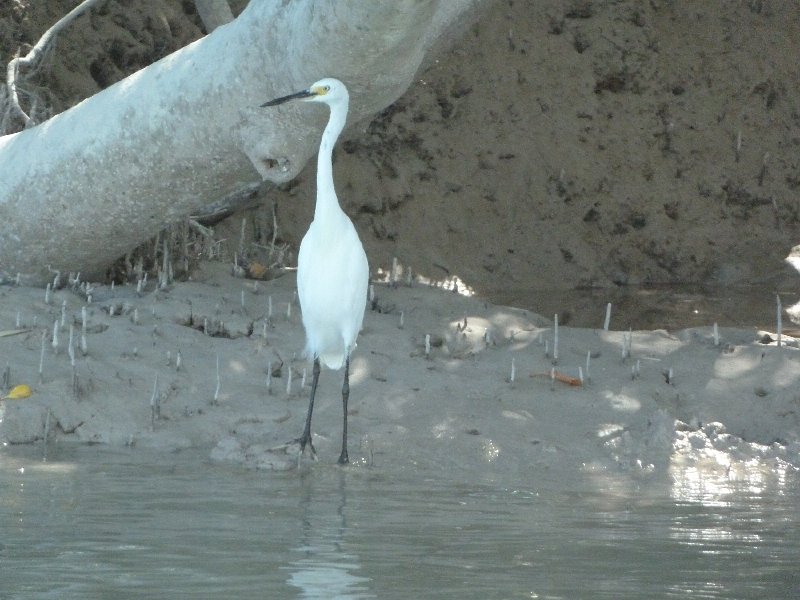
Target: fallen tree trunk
x,y
90,184
213,13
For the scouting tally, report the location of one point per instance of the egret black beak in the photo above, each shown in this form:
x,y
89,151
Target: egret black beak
x,y
295,96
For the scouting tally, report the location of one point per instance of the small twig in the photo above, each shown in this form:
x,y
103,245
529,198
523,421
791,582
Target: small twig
x,y
45,435
155,406
558,376
12,70
274,231
13,332
41,357
201,229
588,362
555,340
219,384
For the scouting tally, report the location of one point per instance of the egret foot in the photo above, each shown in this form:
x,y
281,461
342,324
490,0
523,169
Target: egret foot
x,y
304,441
285,448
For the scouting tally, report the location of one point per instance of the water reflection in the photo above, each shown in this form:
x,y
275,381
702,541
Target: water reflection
x,y
672,307
323,567
731,510
715,486
713,468
113,524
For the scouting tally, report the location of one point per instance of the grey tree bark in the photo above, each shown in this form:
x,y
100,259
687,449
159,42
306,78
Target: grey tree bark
x,y
213,13
92,183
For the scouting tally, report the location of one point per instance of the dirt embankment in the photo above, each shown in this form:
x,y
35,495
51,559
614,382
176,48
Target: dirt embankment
x,y
557,145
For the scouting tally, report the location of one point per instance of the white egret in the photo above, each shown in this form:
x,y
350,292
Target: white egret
x,y
332,269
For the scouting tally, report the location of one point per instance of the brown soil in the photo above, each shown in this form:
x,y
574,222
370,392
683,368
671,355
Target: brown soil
x,y
558,145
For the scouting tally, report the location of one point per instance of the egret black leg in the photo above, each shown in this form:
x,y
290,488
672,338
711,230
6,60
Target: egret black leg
x,y
343,459
306,437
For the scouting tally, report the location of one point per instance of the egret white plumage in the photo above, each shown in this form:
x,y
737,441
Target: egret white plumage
x,y
332,268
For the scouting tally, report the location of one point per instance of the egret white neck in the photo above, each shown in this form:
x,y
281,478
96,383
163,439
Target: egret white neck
x,y
326,194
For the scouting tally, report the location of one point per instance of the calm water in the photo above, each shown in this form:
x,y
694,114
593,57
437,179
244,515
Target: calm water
x,y
670,307
102,523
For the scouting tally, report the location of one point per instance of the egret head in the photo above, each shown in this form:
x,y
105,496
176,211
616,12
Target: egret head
x,y
328,90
